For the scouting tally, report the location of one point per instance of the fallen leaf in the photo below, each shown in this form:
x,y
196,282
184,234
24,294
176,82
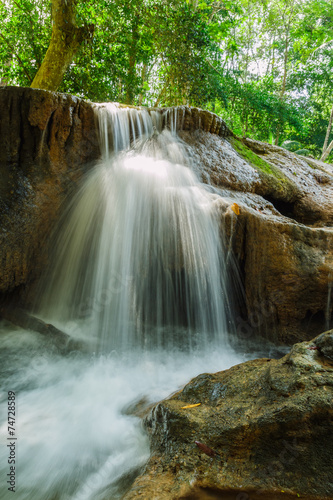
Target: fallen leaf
x,y
208,451
235,208
190,406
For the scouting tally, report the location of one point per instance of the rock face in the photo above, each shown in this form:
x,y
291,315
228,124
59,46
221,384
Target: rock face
x,y
46,140
263,430
282,237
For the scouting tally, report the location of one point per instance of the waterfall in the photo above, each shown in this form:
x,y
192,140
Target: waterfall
x,y
138,272
138,259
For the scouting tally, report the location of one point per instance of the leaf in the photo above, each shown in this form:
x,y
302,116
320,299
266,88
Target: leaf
x,y
235,208
206,449
190,406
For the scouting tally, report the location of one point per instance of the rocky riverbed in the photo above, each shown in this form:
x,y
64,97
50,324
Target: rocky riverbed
x,y
260,430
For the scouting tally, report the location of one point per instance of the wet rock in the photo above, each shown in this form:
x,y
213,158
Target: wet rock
x,y
185,118
282,237
57,338
324,343
46,141
298,188
287,271
269,423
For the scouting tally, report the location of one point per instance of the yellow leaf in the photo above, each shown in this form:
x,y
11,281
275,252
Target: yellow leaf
x,y
235,208
190,406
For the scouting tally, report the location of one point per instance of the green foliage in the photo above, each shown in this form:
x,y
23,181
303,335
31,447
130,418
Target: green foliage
x,y
291,145
259,109
264,66
303,152
25,30
149,52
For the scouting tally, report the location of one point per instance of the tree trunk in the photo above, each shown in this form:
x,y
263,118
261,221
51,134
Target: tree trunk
x,y
143,79
327,150
160,95
65,42
285,66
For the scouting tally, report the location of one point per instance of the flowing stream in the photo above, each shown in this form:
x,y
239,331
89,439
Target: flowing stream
x,y
139,276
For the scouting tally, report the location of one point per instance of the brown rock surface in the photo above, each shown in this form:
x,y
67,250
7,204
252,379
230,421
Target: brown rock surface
x,y
287,271
46,139
186,118
264,427
283,236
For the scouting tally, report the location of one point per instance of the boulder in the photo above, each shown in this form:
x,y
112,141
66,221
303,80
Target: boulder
x,y
260,430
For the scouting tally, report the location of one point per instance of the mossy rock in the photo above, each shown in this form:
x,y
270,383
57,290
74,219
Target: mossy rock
x,y
274,181
252,158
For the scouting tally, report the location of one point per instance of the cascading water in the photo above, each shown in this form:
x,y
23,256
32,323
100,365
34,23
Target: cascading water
x,y
140,256
139,273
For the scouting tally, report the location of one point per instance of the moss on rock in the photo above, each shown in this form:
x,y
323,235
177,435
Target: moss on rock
x,y
274,181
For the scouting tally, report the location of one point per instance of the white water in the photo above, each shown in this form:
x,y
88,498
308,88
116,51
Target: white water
x,y
139,256
139,274
74,439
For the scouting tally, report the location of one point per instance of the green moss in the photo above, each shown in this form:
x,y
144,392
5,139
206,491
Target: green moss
x,y
272,177
251,157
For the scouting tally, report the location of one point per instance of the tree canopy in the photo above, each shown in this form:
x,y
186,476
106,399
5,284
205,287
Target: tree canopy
x,y
265,66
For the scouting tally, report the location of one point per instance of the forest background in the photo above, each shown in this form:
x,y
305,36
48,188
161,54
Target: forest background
x,y
264,66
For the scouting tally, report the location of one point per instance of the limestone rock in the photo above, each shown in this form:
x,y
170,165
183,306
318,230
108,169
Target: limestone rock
x,y
46,141
324,343
269,423
283,236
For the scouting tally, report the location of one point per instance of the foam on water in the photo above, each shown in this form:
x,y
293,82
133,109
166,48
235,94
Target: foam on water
x,y
75,438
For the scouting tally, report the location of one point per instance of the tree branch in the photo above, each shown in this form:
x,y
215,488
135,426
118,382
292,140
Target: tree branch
x,y
327,152
329,128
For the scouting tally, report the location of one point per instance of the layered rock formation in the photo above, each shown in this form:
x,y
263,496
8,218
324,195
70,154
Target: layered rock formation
x,y
260,430
46,140
282,237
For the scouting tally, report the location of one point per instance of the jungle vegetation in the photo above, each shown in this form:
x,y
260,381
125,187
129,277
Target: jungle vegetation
x,y
265,66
